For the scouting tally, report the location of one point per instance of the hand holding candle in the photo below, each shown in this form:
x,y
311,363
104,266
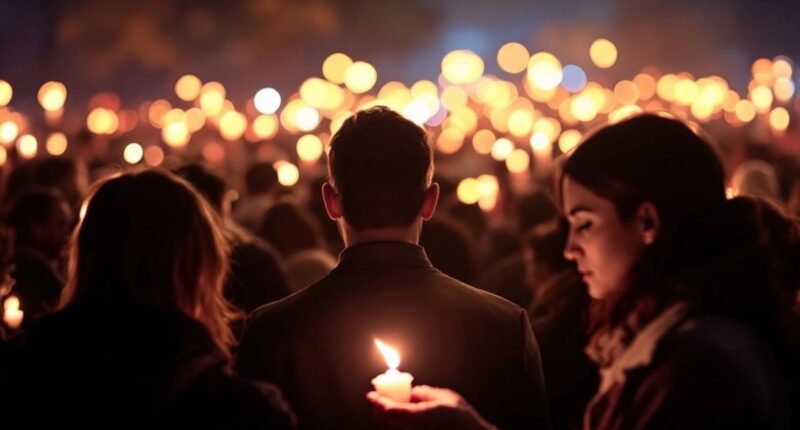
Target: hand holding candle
x,y
393,384
12,315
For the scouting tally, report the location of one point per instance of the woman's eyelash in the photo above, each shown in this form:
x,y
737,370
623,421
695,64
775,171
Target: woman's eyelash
x,y
583,227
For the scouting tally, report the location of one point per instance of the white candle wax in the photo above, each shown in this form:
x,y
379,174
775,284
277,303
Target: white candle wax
x,y
394,384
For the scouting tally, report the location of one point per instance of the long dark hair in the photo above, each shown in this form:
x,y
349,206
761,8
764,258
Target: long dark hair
x,y
708,250
150,238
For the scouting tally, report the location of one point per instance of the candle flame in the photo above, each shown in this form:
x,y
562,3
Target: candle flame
x,y
389,354
11,304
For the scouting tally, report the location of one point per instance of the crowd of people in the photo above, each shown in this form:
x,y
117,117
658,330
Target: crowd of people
x,y
625,291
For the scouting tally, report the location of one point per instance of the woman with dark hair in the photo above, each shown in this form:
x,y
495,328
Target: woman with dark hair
x,y
142,337
691,327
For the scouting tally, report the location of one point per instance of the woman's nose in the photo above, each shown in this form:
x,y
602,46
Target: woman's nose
x,y
571,250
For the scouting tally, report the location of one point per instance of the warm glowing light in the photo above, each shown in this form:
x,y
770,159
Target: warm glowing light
x,y
568,140
520,122
321,94
462,66
779,119
52,96
3,155
483,140
464,119
156,112
307,118
153,156
646,85
518,161
389,354
784,89
468,191
56,143
495,93
175,134
762,71
782,68
623,112
6,93
133,153
9,130
195,119
544,71
288,174
335,66
265,126
338,120
27,146
584,107
685,91
761,98
603,53
212,98
502,148
454,98
360,77
102,121
540,142
187,88
450,140
213,152
745,111
267,100
666,86
513,57
626,92
232,125
309,148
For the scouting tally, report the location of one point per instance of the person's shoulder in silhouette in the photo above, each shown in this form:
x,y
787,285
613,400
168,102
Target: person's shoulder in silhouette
x,y
317,345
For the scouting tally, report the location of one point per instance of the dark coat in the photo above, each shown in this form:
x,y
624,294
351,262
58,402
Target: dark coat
x,y
702,372
317,344
559,317
129,367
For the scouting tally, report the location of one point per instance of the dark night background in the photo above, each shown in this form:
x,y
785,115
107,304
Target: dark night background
x,y
138,49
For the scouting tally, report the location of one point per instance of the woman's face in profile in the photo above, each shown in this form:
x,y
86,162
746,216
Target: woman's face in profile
x,y
604,246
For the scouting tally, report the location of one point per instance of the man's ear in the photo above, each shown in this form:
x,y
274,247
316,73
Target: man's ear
x,y
649,222
331,200
429,201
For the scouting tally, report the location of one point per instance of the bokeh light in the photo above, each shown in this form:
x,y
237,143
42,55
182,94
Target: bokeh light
x,y
232,125
779,119
52,96
6,93
513,57
483,140
265,126
153,156
502,148
603,53
568,140
544,71
309,148
360,77
9,130
468,191
462,66
133,153
187,87
267,100
56,143
102,121
574,78
288,174
212,98
27,146
335,66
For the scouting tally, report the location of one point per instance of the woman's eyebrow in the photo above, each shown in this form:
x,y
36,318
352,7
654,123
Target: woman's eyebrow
x,y
579,208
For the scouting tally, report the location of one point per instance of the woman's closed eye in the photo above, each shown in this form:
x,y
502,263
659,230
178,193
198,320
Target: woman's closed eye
x,y
583,227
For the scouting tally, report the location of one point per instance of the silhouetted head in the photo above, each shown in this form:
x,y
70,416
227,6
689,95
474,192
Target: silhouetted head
x,y
380,166
150,238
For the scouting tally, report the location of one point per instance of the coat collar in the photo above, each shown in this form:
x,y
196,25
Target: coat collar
x,y
383,254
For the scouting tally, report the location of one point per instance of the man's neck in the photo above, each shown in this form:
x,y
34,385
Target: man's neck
x,y
408,234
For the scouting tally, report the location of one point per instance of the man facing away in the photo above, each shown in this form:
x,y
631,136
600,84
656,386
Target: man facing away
x,y
318,344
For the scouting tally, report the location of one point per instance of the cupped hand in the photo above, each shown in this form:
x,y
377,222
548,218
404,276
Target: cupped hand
x,y
429,408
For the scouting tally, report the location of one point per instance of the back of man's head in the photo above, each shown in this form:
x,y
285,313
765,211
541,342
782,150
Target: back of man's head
x,y
209,183
261,178
380,164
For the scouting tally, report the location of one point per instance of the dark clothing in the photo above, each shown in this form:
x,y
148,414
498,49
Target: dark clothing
x,y
317,344
686,371
506,278
37,285
559,317
129,367
256,276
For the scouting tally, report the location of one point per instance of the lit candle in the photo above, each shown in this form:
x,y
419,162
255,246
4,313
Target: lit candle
x,y
393,384
12,315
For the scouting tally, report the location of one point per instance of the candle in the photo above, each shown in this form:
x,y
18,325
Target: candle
x,y
12,315
393,384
